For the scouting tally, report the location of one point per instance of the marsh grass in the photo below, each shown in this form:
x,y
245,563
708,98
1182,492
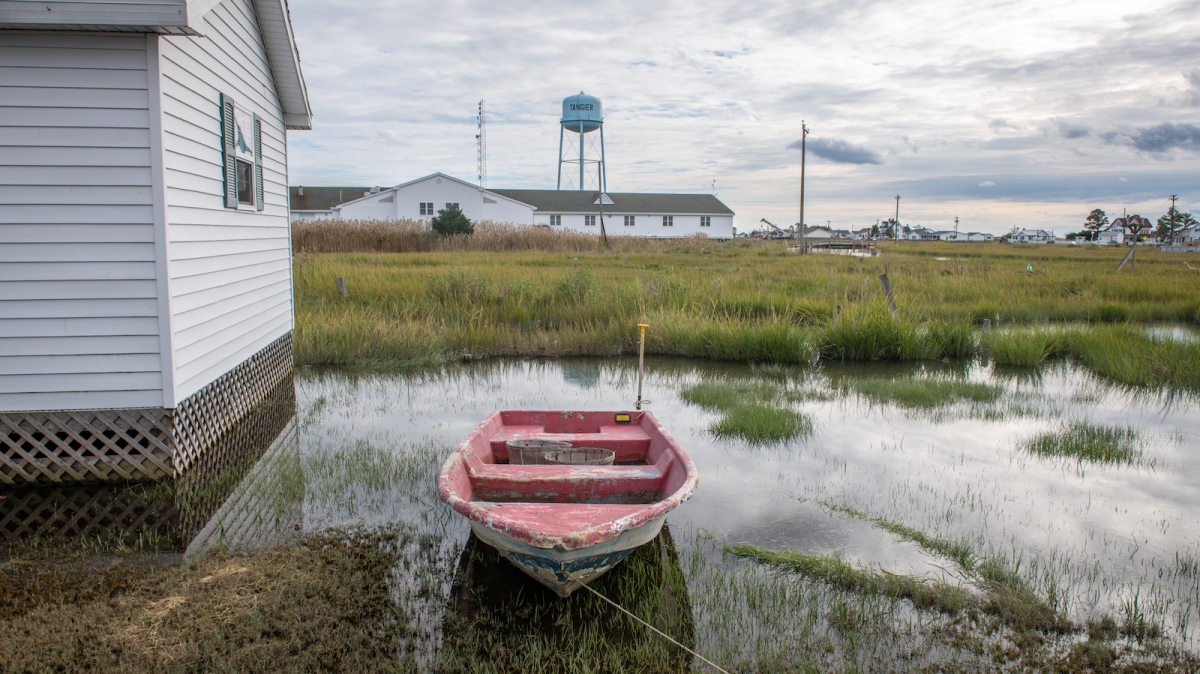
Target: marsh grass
x,y
756,412
923,594
499,619
962,552
544,293
1085,441
920,392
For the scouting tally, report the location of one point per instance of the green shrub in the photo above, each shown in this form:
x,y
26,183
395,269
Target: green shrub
x,y
450,221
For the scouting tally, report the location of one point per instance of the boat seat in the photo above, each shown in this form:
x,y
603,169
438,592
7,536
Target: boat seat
x,y
628,442
573,484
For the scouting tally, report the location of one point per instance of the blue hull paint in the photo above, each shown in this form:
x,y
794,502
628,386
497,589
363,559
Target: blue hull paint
x,y
564,571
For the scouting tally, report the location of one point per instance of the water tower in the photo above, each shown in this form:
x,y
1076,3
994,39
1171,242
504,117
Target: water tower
x,y
581,114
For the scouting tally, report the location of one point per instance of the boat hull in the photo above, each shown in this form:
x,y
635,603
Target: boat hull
x,y
564,571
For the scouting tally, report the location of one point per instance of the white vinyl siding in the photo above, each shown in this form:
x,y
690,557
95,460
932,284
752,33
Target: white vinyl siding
x,y
230,268
79,303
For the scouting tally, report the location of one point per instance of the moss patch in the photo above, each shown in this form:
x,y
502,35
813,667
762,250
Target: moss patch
x,y
321,605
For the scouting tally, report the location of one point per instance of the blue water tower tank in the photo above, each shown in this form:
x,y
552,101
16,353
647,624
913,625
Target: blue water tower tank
x,y
584,109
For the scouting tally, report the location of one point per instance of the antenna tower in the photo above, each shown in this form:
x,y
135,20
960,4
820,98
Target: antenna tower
x,y
481,141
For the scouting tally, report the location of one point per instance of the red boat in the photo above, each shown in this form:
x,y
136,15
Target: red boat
x,y
567,524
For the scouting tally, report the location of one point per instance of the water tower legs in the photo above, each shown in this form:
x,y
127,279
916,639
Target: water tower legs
x,y
560,146
581,164
603,165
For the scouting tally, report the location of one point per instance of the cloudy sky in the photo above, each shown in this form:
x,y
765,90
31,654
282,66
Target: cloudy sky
x,y
999,113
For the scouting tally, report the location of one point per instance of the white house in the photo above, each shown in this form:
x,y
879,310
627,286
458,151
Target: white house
x,y
625,213
145,257
979,236
1127,230
1033,236
318,203
921,234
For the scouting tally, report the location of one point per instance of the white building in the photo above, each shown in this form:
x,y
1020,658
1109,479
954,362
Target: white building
x,y
625,213
1033,236
145,257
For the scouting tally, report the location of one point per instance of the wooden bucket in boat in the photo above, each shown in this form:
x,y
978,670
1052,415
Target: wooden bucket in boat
x,y
532,450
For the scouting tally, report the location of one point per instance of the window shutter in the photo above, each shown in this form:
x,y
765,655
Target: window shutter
x,y
228,159
258,183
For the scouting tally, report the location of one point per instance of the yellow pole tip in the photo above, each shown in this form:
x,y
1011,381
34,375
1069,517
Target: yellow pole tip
x,y
643,325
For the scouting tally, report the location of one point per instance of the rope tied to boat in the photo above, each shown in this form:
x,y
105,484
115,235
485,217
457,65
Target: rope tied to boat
x,y
654,629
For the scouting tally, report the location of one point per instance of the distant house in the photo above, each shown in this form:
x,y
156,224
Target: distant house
x,y
1033,236
1188,237
979,236
625,213
318,203
818,232
1128,229
861,234
921,234
147,303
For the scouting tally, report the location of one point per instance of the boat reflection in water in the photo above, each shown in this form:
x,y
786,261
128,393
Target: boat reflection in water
x,y
497,611
230,495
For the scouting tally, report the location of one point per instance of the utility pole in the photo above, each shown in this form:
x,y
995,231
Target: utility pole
x,y
1172,233
897,227
600,181
803,152
481,146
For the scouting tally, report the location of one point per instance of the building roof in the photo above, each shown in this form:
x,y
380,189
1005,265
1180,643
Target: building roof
x,y
575,201
177,17
322,198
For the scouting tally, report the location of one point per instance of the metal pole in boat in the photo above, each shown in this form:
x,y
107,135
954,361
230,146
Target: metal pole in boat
x,y
641,359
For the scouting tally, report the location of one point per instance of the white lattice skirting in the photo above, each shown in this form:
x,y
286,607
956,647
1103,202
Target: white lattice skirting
x,y
89,446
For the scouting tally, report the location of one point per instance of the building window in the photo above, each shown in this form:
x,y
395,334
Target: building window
x,y
245,182
448,205
589,220
241,156
705,221
629,220
426,208
555,220
668,221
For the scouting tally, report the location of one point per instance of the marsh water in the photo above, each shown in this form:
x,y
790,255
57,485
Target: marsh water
x,y
1117,538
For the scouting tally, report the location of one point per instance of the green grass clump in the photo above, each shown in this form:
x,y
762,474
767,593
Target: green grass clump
x,y
751,411
922,392
762,424
1022,348
1088,442
1126,354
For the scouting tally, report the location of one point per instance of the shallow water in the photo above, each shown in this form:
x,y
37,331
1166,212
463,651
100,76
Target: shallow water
x,y
1118,539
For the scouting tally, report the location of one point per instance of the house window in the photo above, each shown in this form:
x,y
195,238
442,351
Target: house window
x,y
555,220
448,205
426,208
668,221
705,221
245,182
241,156
589,220
629,220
